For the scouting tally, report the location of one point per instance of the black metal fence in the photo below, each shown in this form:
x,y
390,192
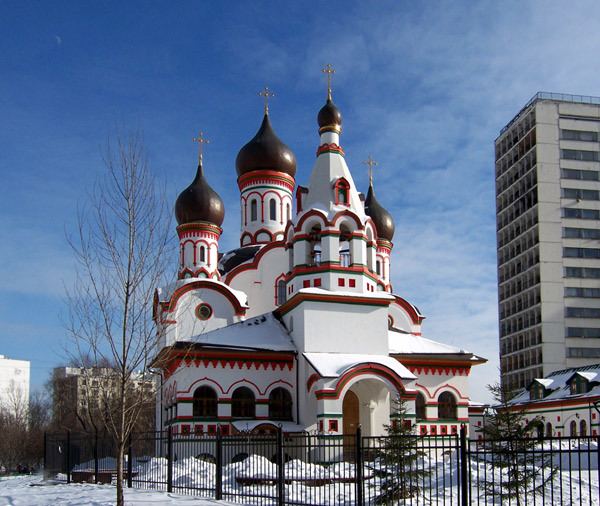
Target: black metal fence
x,y
321,469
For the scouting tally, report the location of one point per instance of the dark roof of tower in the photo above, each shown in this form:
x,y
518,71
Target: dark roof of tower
x,y
381,217
329,115
199,202
233,258
265,152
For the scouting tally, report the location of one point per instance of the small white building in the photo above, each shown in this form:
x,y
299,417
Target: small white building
x,y
14,384
300,326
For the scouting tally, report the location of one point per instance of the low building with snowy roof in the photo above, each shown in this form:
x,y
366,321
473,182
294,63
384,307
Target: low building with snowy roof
x,y
567,402
299,327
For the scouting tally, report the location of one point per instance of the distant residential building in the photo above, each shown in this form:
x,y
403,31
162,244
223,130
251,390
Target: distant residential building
x,y
83,395
548,237
566,401
14,383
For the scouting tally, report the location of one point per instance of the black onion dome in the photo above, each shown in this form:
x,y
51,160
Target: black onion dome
x,y
383,220
265,152
199,202
329,115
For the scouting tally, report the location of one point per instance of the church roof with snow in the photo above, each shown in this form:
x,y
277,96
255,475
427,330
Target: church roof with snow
x,y
263,332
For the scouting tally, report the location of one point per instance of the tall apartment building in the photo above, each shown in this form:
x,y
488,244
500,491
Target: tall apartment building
x,y
548,234
14,384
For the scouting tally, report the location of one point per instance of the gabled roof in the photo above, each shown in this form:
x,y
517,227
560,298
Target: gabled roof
x,y
546,383
588,375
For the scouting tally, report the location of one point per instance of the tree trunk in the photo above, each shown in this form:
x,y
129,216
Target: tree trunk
x,y
120,455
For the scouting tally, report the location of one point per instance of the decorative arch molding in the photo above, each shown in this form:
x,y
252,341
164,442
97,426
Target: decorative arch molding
x,y
255,261
347,213
355,373
206,381
276,384
416,317
441,389
313,213
224,290
196,273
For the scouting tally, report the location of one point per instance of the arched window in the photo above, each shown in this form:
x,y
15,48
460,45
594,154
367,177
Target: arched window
x,y
582,428
378,268
288,212
548,429
280,404
272,209
573,428
243,404
314,254
253,210
205,402
342,191
344,247
420,406
281,292
202,254
447,406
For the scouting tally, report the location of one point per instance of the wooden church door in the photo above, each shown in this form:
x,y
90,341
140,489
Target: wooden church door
x,y
351,419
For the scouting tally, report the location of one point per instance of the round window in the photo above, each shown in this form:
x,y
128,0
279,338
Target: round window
x,y
204,311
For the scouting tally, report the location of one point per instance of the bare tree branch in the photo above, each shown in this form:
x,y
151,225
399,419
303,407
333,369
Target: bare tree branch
x,y
121,245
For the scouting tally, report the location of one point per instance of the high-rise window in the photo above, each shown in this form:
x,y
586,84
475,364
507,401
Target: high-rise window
x,y
575,193
582,214
581,233
579,154
578,135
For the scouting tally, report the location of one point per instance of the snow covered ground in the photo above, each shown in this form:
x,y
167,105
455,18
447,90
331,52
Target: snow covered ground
x,y
32,491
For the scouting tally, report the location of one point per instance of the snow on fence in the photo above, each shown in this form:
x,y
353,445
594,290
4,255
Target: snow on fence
x,y
321,469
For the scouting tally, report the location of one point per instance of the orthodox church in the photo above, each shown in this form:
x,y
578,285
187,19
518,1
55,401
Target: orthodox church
x,y
299,327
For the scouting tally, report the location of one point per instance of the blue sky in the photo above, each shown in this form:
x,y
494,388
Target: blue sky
x,y
424,87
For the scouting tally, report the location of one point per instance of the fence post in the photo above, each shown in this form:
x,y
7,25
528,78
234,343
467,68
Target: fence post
x,y
280,469
45,473
169,460
358,473
219,465
68,456
130,462
96,456
464,491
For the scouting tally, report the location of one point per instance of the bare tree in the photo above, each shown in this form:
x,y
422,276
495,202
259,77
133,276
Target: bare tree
x,y
120,244
22,425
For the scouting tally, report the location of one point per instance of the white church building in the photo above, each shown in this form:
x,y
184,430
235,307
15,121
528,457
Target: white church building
x,y
299,326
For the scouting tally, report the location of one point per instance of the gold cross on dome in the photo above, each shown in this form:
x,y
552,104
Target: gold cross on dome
x,y
200,141
266,94
370,163
329,71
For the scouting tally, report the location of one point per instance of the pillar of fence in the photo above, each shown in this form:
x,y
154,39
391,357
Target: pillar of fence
x,y
280,468
68,457
130,462
219,465
464,488
169,460
359,466
96,477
